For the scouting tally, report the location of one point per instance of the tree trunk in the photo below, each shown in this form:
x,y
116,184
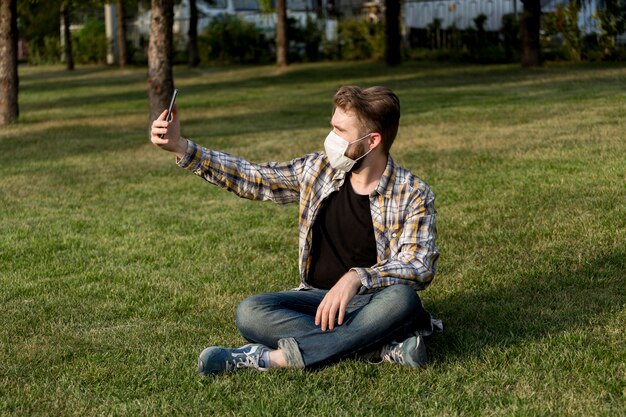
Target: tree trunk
x,y
69,56
9,80
281,33
121,34
192,34
530,26
392,32
160,78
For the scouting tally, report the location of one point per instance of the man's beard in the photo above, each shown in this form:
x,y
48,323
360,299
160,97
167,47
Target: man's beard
x,y
358,153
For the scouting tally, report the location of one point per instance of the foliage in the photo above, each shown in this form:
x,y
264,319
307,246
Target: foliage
x,y
359,38
612,20
90,43
37,20
44,51
468,45
38,25
230,39
561,35
304,40
434,31
511,38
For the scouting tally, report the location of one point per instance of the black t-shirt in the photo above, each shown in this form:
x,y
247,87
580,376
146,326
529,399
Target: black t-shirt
x,y
343,237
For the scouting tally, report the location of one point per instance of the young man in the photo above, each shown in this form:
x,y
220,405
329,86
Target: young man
x,y
366,236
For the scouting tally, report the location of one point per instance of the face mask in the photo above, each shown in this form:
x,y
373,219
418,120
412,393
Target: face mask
x,y
336,147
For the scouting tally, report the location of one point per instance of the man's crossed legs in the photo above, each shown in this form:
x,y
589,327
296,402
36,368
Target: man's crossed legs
x,y
282,331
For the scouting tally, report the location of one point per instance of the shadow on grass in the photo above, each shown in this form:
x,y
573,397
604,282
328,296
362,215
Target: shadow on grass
x,y
47,144
408,77
52,144
422,87
537,306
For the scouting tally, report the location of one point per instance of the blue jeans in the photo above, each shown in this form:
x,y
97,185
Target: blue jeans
x,y
286,320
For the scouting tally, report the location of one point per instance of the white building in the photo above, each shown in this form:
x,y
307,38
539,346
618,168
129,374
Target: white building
x,y
416,14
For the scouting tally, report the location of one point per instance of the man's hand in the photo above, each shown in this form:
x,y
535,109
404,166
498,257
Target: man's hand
x,y
171,140
336,300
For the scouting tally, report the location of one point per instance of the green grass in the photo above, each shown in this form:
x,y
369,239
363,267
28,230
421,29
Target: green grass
x,y
117,267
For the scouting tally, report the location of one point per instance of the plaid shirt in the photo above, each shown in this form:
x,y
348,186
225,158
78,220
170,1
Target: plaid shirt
x,y
402,207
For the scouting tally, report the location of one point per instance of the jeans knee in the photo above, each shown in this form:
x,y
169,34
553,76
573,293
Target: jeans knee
x,y
404,295
245,314
405,300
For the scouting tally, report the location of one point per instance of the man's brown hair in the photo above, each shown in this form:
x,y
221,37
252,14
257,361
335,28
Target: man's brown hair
x,y
377,108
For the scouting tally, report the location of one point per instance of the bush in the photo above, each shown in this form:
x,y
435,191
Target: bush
x,y
612,21
511,40
304,41
47,51
89,45
453,44
229,39
360,39
561,37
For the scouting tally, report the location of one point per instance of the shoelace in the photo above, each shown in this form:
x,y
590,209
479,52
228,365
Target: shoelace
x,y
249,362
393,353
243,360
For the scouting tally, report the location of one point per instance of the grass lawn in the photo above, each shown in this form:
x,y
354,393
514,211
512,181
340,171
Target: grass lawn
x,y
117,267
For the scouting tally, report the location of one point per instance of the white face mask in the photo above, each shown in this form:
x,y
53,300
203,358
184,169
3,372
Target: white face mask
x,y
336,147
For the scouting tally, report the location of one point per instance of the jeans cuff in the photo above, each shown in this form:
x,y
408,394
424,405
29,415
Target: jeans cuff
x,y
290,349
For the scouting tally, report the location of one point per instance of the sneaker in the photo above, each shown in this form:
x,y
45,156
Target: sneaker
x,y
214,360
411,352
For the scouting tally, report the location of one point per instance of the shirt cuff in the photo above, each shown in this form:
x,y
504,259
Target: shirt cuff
x,y
364,276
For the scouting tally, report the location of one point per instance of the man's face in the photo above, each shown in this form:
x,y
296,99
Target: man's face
x,y
347,125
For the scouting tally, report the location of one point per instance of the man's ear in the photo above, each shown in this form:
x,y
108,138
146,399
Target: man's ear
x,y
375,140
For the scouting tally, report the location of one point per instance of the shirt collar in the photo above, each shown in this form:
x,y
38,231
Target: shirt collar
x,y
385,185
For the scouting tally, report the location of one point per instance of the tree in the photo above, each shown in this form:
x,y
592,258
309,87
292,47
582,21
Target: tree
x,y
192,34
121,34
67,38
9,80
392,32
281,33
530,26
160,78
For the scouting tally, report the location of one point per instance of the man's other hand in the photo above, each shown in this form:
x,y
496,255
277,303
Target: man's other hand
x,y
336,301
171,140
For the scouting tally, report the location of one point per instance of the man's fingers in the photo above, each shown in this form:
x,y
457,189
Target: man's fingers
x,y
163,115
159,130
332,312
318,313
342,313
321,317
324,323
160,124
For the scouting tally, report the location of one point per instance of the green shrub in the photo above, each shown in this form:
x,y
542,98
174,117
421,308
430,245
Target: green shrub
x,y
361,39
511,40
612,21
89,45
304,41
46,51
229,39
561,36
435,36
453,44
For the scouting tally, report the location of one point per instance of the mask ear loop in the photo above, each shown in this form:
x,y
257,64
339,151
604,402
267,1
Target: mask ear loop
x,y
356,141
365,154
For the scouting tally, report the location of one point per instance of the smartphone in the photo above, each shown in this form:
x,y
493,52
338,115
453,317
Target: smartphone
x,y
170,108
